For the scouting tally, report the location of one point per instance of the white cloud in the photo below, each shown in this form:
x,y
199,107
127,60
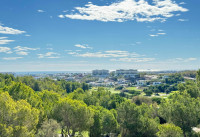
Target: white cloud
x,y
161,33
7,30
182,20
178,15
22,53
182,3
4,40
65,10
5,50
133,59
61,16
49,55
27,35
158,34
20,48
139,10
83,46
152,35
106,54
12,58
40,11
72,53
183,59
23,50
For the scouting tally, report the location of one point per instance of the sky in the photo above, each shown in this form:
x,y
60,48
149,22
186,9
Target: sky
x,y
82,35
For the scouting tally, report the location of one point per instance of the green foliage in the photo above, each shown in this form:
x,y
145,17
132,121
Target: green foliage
x,y
182,110
174,78
190,87
105,121
49,100
169,130
134,92
119,88
164,88
95,129
20,91
138,100
27,106
109,122
49,128
156,99
74,115
136,120
18,119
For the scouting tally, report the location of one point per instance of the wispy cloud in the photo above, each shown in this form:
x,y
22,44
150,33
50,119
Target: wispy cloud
x,y
160,32
183,59
61,16
153,35
182,20
23,50
106,54
27,35
7,30
5,50
40,11
4,40
140,10
182,3
133,59
49,55
83,46
12,58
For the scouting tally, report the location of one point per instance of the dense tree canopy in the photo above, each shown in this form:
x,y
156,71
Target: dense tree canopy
x,y
44,107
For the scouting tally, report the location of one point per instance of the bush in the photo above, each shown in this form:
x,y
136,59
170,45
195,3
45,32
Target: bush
x,y
157,100
119,88
138,100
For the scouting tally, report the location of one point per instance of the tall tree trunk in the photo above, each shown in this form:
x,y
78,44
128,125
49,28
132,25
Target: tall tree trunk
x,y
62,132
73,133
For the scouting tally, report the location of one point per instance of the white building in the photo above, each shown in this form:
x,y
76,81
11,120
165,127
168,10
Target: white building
x,y
165,77
127,73
157,83
141,82
100,73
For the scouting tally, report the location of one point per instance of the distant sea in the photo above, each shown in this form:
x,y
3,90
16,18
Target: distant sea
x,y
45,72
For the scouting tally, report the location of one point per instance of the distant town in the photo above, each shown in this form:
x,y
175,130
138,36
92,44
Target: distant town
x,y
106,78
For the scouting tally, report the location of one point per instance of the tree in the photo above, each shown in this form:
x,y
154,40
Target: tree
x,y
182,110
190,87
136,120
49,128
169,130
18,119
95,129
109,122
21,91
198,78
105,121
138,100
85,86
49,100
74,115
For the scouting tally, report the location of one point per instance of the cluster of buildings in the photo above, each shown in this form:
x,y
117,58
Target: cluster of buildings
x,y
106,77
120,77
127,73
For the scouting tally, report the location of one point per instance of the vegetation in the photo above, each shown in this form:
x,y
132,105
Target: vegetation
x,y
46,108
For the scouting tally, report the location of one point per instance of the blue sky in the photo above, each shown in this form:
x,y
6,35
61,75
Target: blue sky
x,y
81,35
